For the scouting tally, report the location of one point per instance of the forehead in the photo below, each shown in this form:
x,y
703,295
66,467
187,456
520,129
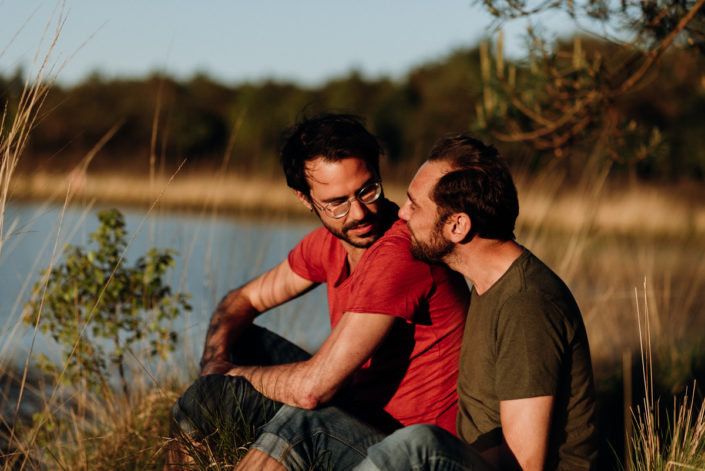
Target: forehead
x,y
425,180
338,178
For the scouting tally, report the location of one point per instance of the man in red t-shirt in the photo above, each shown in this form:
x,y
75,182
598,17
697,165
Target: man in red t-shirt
x,y
391,358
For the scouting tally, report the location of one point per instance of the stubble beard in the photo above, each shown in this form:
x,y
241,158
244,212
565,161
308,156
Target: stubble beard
x,y
435,249
358,242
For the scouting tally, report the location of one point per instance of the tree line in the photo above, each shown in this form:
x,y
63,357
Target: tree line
x,y
657,128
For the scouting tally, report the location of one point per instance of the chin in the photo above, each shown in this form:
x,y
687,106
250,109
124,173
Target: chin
x,y
365,241
362,242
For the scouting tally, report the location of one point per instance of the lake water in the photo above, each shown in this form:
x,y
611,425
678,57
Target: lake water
x,y
215,254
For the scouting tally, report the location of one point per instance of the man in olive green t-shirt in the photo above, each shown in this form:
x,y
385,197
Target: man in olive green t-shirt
x,y
525,392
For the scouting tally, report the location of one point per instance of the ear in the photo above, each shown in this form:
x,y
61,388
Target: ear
x,y
457,227
304,199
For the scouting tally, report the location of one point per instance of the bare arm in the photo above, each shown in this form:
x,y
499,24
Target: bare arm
x,y
525,425
238,309
309,383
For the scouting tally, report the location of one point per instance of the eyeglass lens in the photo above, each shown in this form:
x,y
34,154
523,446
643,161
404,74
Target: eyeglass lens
x,y
367,194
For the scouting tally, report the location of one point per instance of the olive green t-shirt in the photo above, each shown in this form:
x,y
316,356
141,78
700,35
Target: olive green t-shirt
x,y
525,337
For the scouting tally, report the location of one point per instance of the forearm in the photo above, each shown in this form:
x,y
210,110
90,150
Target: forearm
x,y
309,383
293,384
231,317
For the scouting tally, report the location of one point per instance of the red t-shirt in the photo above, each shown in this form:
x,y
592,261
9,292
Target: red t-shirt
x,y
413,373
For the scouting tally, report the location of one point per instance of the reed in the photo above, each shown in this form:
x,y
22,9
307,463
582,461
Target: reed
x,y
670,441
634,209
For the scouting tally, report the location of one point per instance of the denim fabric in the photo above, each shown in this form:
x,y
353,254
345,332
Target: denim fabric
x,y
324,438
219,402
327,438
422,447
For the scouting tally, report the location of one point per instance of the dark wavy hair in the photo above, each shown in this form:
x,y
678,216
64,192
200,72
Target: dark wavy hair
x,y
331,136
479,185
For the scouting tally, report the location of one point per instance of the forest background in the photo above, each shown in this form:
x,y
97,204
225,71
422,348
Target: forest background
x,y
199,117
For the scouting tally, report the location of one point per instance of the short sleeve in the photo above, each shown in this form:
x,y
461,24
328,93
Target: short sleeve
x,y
307,258
391,281
531,343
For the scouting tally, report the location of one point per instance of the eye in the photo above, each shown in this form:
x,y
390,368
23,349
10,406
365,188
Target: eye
x,y
370,193
337,205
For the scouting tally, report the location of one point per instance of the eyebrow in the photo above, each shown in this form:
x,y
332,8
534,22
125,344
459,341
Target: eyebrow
x,y
343,198
408,195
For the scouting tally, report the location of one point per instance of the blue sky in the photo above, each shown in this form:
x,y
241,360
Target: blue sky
x,y
308,41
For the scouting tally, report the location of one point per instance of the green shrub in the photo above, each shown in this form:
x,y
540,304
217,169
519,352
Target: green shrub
x,y
96,307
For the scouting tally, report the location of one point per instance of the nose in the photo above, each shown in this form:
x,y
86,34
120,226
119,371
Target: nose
x,y
357,210
404,210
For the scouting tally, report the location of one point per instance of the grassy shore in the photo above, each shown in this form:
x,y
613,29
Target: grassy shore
x,y
638,209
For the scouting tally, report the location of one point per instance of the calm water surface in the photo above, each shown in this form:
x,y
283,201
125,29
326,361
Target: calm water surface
x,y
215,254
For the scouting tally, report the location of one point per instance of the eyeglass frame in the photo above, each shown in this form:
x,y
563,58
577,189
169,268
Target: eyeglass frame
x,y
348,202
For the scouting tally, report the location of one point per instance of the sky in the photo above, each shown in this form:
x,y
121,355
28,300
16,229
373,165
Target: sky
x,y
233,41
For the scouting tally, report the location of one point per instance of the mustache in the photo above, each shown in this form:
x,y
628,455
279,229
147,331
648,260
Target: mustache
x,y
369,219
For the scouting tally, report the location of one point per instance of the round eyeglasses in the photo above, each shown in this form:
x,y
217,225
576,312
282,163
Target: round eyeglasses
x,y
368,194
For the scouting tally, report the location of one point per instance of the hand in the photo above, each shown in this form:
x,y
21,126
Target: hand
x,y
216,367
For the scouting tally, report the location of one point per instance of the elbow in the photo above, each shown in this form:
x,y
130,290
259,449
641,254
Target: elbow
x,y
308,401
312,397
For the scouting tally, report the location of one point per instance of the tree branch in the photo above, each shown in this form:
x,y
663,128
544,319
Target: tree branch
x,y
655,54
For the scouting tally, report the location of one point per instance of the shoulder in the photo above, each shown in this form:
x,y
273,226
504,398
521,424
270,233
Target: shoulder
x,y
530,282
317,242
541,307
396,239
389,262
315,254
393,251
318,235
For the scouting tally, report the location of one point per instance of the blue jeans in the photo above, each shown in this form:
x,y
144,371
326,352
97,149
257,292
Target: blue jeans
x,y
328,438
217,406
422,447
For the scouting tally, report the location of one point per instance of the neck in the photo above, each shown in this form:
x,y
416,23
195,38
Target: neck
x,y
354,254
483,261
388,214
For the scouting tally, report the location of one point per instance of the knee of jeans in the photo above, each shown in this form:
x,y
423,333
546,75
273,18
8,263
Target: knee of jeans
x,y
204,403
180,421
412,447
419,434
186,412
414,443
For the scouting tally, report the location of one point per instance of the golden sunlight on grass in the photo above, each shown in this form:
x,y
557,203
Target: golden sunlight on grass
x,y
636,209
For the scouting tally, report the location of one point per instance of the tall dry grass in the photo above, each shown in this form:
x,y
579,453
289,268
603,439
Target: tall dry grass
x,y
670,441
44,425
547,204
14,133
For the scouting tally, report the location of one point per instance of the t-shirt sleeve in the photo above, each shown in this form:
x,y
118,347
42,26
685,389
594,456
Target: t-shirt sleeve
x,y
531,342
391,282
306,259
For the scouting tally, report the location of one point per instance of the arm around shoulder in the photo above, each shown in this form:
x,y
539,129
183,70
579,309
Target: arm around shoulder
x,y
312,382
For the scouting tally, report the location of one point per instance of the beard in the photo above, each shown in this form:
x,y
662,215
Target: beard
x,y
433,250
361,242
